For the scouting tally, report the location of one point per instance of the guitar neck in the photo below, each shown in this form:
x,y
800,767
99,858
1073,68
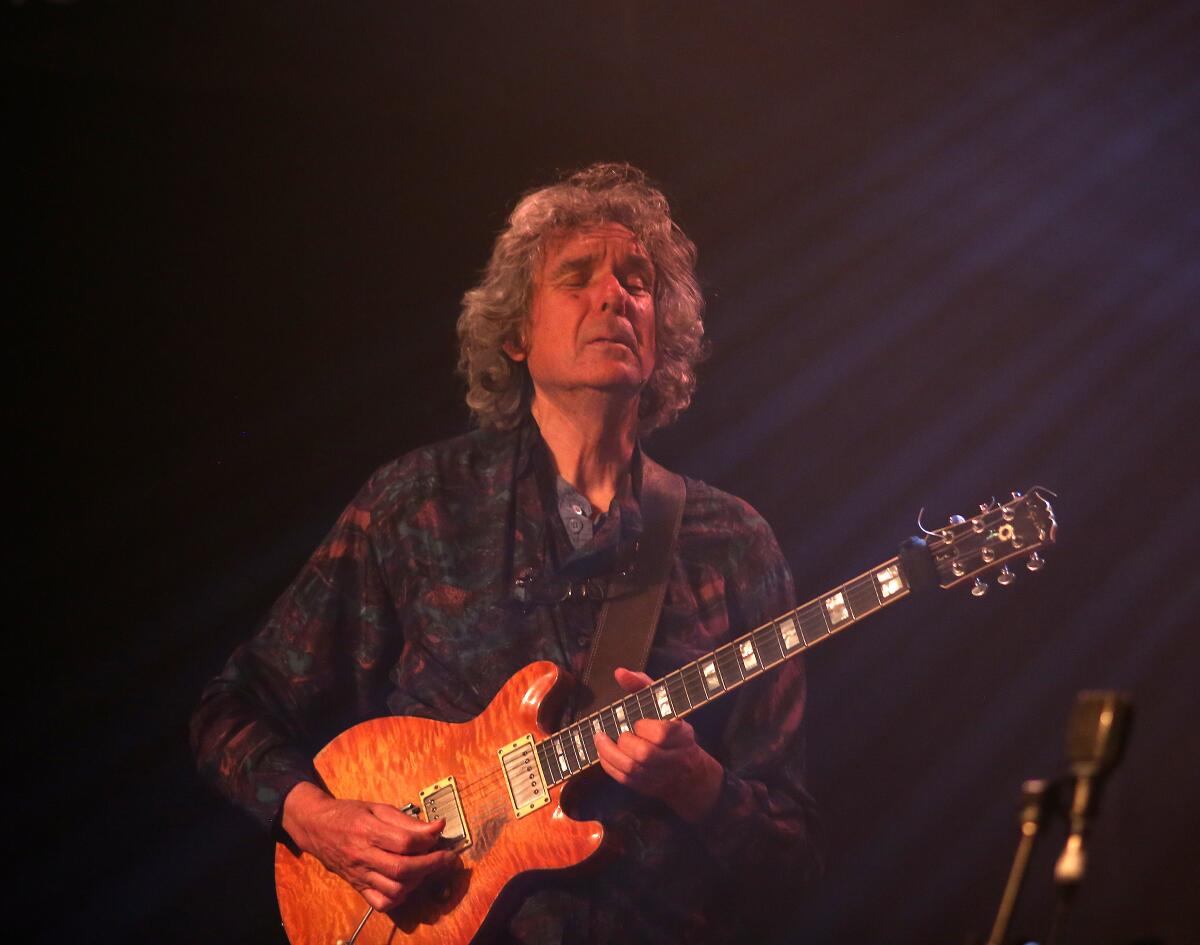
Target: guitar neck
x,y
572,750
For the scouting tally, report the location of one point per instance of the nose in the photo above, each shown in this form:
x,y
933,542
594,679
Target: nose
x,y
613,297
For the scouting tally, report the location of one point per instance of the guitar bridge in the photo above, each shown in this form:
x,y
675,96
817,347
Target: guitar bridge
x,y
523,776
441,799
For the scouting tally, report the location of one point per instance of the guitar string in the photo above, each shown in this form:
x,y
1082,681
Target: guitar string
x,y
472,787
970,542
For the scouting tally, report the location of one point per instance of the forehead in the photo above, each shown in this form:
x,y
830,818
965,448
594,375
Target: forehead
x,y
588,243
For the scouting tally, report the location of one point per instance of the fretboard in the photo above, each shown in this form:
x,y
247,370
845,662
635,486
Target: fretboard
x,y
573,749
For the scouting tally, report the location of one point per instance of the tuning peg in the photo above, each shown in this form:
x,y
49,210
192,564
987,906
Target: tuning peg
x,y
1005,577
1016,494
979,588
956,520
1036,562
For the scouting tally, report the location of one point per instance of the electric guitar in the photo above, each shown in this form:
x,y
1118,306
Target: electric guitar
x,y
497,779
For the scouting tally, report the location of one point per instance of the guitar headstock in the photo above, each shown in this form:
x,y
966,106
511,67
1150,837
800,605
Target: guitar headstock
x,y
967,548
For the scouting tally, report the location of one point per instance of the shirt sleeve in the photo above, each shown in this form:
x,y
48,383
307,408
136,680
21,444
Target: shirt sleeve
x,y
763,819
317,665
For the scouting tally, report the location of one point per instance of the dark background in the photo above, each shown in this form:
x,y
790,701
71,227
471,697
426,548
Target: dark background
x,y
950,249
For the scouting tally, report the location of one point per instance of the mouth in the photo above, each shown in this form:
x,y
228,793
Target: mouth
x,y
624,339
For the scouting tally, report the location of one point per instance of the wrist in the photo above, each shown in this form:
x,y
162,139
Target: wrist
x,y
299,807
702,790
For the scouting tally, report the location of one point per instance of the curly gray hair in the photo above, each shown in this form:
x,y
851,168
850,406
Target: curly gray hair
x,y
494,313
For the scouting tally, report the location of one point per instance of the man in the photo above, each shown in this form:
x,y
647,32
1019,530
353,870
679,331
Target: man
x,y
582,336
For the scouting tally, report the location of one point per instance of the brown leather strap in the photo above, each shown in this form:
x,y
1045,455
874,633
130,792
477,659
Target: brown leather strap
x,y
629,615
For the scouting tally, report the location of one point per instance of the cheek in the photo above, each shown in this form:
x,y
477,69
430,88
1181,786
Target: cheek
x,y
651,333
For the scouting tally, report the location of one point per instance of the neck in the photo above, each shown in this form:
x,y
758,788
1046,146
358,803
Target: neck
x,y
591,440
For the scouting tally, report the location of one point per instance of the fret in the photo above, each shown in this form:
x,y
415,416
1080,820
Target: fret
x,y
693,684
646,708
836,609
593,726
559,758
581,748
814,623
790,635
573,761
748,662
890,581
861,596
677,690
549,769
713,685
727,665
633,708
608,723
662,701
620,719
770,649
875,590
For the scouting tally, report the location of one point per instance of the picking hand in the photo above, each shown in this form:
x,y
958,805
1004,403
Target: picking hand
x,y
381,852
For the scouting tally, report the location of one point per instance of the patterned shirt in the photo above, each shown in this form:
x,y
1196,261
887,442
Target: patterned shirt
x,y
410,606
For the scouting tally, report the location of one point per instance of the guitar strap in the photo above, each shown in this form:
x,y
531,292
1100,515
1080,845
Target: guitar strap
x,y
629,614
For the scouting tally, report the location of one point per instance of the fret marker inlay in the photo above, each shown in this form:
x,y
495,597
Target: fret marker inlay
x,y
711,680
619,712
749,660
663,701
836,607
889,582
787,628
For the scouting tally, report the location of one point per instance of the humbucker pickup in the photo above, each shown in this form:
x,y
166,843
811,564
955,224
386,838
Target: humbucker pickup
x,y
523,776
441,799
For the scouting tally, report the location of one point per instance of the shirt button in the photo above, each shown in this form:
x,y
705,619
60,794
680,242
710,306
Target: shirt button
x,y
582,641
575,524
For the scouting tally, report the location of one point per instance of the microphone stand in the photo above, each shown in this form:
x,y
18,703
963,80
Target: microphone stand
x,y
1033,811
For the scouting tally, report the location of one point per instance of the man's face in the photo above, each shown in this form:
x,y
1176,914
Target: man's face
x,y
591,320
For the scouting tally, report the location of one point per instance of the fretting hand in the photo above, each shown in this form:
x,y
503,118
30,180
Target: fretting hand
x,y
662,759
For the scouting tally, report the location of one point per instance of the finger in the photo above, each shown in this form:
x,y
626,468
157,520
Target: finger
x,y
612,759
377,900
393,815
649,757
666,735
385,887
410,869
629,680
406,840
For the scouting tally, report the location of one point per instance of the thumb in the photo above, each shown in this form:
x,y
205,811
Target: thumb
x,y
391,815
630,681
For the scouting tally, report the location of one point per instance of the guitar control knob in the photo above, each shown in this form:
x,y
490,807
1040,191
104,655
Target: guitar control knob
x,y
1036,562
979,588
1005,577
956,520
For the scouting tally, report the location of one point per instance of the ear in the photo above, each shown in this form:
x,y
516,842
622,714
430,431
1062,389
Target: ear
x,y
514,352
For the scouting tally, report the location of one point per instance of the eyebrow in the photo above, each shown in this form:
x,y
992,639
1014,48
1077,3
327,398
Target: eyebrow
x,y
576,264
573,265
